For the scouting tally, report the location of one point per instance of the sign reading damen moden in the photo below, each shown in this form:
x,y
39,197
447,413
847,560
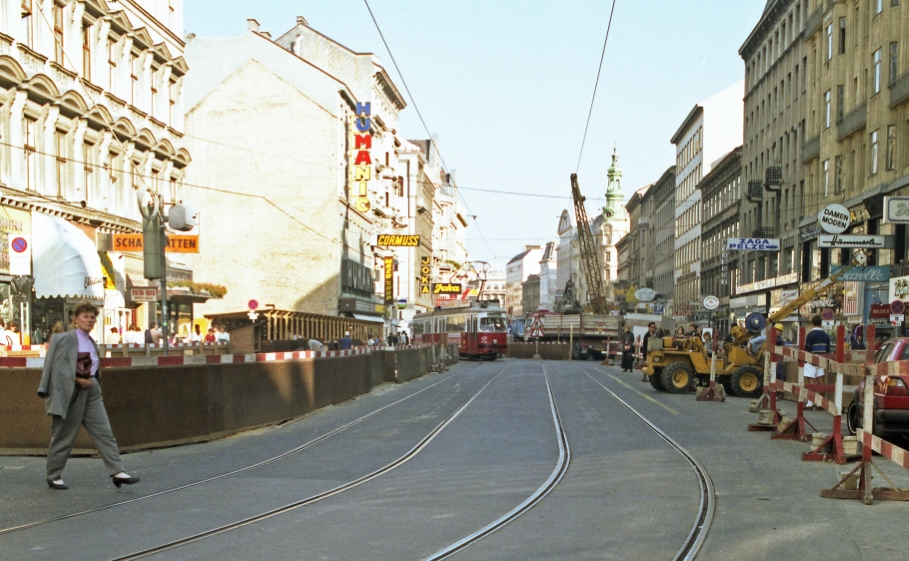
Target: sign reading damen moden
x,y
753,244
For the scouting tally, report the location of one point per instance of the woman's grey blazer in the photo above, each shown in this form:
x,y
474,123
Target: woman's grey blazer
x,y
58,382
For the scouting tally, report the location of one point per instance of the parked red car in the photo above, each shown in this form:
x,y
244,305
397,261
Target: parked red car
x,y
891,395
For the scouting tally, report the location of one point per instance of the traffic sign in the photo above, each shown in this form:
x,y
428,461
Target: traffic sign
x,y
827,314
536,333
897,307
536,328
897,319
253,304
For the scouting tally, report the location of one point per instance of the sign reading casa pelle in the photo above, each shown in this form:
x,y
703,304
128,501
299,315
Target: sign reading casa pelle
x,y
834,218
361,170
396,240
753,244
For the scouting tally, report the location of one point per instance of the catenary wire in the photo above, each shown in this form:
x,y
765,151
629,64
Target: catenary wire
x,y
596,84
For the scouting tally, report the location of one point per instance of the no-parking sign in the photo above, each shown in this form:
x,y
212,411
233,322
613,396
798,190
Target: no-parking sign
x,y
20,254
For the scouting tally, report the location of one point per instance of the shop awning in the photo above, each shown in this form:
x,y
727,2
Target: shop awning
x,y
66,262
365,317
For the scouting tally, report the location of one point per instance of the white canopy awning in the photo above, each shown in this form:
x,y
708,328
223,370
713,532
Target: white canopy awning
x,y
66,262
366,317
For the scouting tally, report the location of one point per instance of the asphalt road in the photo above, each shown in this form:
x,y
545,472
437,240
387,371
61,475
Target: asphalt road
x,y
440,457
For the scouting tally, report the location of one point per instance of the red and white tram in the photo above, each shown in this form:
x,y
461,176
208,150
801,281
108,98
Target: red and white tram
x,y
477,327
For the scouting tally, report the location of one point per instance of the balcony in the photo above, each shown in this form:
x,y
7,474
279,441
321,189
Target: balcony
x,y
811,148
852,121
755,191
899,90
764,232
774,178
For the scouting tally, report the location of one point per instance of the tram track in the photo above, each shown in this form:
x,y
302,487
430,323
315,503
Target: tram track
x,y
541,492
238,471
707,498
410,454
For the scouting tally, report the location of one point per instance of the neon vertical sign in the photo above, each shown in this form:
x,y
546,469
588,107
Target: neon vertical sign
x,y
362,168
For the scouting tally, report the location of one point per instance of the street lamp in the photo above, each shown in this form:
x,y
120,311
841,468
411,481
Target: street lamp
x,y
154,242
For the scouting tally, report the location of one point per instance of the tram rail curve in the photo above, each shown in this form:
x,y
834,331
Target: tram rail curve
x,y
234,472
707,503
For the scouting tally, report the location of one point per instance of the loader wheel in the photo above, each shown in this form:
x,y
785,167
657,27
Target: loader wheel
x,y
656,380
677,377
853,419
747,381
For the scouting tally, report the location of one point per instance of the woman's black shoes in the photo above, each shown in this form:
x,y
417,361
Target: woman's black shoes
x,y
61,486
124,480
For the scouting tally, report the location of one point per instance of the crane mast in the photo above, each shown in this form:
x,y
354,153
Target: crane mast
x,y
590,253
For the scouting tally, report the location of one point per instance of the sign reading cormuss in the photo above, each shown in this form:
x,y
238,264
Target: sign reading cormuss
x,y
754,244
446,288
396,240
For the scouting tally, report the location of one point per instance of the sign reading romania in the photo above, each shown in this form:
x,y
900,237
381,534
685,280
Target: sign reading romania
x,y
175,244
394,240
446,288
361,170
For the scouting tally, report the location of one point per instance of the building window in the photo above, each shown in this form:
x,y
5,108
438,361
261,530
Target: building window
x,y
172,102
60,162
134,77
112,67
842,44
827,109
838,174
878,6
27,21
829,41
154,95
876,72
58,32
88,167
28,144
875,138
891,147
87,51
840,102
113,170
826,179
894,59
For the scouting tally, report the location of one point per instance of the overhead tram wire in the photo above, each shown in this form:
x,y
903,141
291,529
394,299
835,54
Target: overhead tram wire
x,y
423,121
596,84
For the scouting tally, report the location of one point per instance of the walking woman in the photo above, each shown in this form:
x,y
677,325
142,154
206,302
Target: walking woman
x,y
627,349
71,388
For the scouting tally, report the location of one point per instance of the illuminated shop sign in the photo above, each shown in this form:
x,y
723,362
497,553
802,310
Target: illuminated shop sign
x,y
446,288
361,171
389,280
394,240
425,272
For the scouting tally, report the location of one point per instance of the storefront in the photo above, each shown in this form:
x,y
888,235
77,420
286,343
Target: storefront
x,y
67,270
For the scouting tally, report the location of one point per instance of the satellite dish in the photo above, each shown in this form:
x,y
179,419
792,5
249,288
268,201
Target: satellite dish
x,y
148,204
755,322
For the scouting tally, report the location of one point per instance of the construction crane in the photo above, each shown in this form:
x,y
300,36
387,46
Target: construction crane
x,y
590,254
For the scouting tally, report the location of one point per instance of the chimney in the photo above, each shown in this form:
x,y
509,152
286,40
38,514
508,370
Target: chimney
x,y
252,25
302,21
265,34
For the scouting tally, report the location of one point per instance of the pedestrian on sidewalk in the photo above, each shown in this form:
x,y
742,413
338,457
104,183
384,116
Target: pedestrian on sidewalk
x,y
645,344
627,349
817,341
71,388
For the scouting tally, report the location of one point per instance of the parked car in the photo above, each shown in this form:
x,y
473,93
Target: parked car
x,y
891,395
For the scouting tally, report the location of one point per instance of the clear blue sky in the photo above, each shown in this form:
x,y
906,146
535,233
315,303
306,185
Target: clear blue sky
x,y
507,84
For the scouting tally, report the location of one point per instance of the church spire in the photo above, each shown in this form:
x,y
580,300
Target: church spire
x,y
614,209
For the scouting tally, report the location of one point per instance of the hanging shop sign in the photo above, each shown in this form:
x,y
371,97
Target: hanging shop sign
x,y
896,210
132,243
645,294
834,218
394,240
446,288
361,170
899,288
879,273
425,273
389,280
847,241
879,313
143,294
753,244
